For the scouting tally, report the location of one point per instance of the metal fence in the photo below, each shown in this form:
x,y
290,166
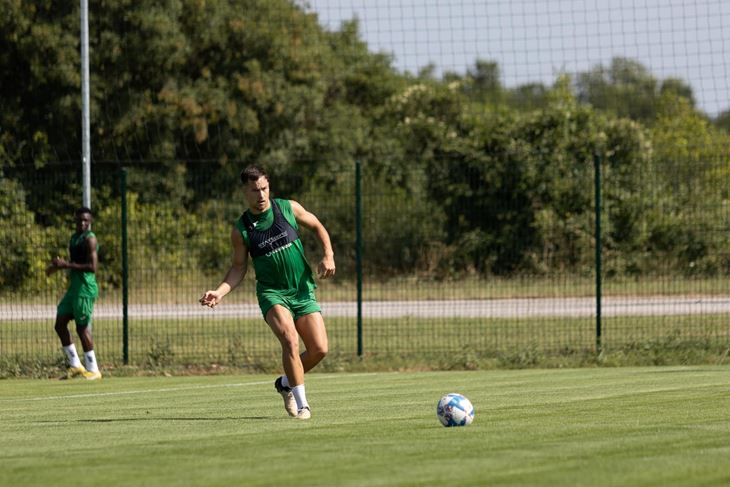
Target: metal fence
x,y
573,232
402,295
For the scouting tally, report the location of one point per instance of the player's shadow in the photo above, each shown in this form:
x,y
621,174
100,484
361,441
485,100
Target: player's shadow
x,y
693,370
178,418
157,418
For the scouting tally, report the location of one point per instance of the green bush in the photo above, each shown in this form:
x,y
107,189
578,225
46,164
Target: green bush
x,y
24,245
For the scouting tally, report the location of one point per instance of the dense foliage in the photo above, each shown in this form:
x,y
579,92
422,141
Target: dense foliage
x,y
461,174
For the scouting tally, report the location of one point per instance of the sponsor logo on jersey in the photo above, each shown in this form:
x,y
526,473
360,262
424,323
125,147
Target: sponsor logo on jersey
x,y
271,240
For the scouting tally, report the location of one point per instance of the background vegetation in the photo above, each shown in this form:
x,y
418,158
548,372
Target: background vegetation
x,y
476,178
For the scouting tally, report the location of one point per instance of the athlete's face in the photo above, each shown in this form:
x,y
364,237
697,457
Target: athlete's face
x,y
257,195
83,222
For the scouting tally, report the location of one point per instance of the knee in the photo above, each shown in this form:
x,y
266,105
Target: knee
x,y
319,352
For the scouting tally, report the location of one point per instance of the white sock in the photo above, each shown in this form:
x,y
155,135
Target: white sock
x,y
299,396
90,360
284,381
72,356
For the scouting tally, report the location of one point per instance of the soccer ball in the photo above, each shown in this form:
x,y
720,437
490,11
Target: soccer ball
x,y
455,410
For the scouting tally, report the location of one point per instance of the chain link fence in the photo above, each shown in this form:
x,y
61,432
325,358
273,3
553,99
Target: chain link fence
x,y
424,291
502,181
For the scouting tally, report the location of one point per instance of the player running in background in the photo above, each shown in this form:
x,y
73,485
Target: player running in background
x,y
268,231
78,302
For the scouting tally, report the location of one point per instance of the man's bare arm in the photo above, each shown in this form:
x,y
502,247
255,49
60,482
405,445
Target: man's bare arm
x,y
235,274
308,220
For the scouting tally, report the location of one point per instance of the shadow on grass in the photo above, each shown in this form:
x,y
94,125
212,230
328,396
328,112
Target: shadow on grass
x,y
156,418
692,370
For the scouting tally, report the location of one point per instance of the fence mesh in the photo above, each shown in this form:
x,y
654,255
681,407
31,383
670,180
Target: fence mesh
x,y
479,233
411,308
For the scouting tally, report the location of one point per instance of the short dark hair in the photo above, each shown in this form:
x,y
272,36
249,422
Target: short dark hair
x,y
253,173
81,210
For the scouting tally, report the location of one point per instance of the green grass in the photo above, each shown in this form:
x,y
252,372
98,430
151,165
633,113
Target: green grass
x,y
595,427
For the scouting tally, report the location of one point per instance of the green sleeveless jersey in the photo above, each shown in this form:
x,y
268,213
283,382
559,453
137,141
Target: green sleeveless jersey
x,y
83,284
285,268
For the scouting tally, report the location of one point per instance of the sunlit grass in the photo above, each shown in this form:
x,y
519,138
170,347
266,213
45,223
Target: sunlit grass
x,y
597,427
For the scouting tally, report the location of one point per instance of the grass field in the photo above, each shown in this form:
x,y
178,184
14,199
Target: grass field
x,y
611,426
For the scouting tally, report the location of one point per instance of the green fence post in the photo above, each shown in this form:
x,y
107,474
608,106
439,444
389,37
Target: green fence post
x,y
597,182
125,269
358,252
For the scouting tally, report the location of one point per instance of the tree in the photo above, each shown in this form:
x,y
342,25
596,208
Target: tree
x,y
627,89
482,82
692,177
40,82
530,96
723,120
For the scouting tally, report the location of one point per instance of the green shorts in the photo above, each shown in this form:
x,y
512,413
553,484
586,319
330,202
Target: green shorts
x,y
80,307
297,304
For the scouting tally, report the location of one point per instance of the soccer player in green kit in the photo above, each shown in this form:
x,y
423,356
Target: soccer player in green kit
x,y
268,231
78,302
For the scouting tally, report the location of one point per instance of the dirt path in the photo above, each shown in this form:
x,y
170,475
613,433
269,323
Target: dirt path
x,y
496,308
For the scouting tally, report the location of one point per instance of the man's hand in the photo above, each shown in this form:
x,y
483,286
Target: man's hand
x,y
56,264
326,267
210,299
